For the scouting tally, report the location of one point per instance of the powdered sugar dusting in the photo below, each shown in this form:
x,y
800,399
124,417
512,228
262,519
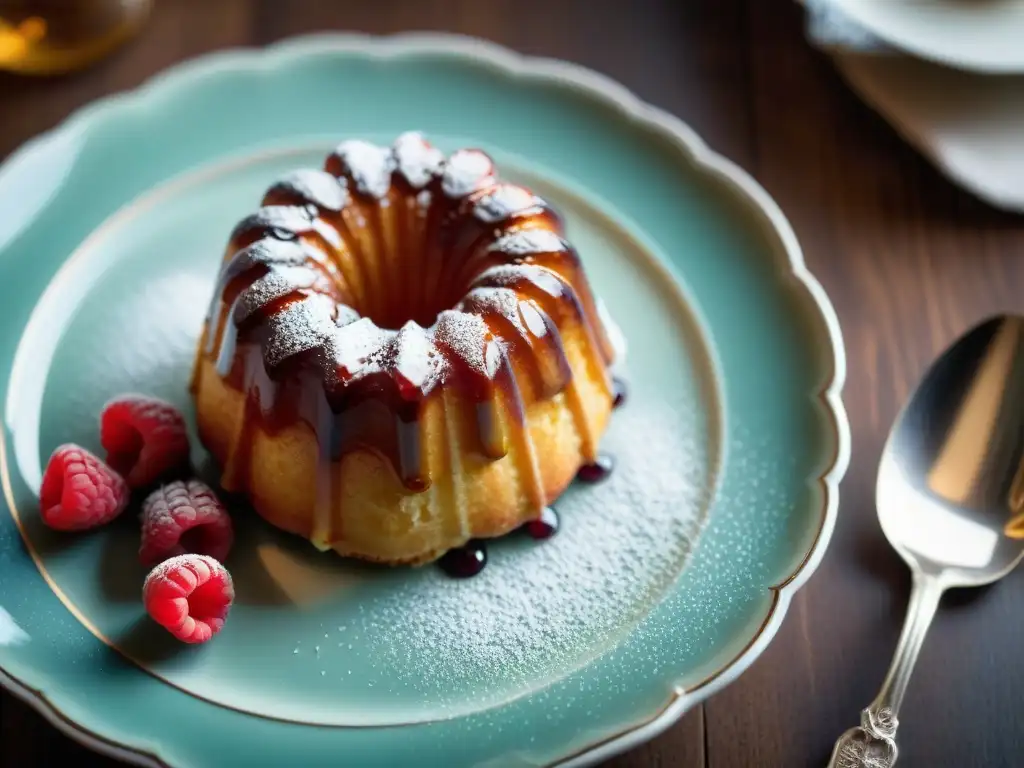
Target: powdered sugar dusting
x,y
285,221
200,567
416,359
526,242
171,510
505,201
300,326
274,285
539,609
346,315
465,335
465,172
267,251
502,301
417,160
313,186
369,165
356,344
511,275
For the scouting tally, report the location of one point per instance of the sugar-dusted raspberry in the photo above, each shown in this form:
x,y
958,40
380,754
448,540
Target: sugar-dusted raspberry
x,y
189,596
184,517
145,438
79,491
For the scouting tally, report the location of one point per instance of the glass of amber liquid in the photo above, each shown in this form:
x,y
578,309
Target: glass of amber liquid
x,y
49,37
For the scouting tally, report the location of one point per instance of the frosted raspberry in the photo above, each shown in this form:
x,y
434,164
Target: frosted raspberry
x,y
184,517
79,491
189,596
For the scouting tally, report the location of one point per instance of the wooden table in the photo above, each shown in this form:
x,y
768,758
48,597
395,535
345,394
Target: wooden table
x,y
908,259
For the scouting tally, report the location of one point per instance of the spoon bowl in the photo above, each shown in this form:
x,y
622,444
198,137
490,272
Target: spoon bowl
x,y
950,500
950,482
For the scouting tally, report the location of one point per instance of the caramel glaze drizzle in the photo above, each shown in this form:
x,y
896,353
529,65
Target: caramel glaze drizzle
x,y
329,307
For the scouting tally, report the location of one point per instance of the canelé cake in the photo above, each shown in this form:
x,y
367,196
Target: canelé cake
x,y
402,354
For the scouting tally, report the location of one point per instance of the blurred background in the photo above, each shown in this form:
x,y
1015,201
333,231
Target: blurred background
x,y
904,190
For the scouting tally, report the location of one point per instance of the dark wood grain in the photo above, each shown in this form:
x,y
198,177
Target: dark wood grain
x,y
908,259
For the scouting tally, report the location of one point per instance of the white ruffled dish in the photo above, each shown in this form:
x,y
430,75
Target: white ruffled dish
x,y
966,122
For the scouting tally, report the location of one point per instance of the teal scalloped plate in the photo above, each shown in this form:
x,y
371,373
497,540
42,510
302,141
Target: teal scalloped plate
x,y
665,582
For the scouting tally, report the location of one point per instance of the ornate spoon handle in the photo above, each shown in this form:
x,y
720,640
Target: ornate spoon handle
x,y
873,743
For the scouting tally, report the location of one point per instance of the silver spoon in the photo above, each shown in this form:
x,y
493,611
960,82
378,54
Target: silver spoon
x,y
950,499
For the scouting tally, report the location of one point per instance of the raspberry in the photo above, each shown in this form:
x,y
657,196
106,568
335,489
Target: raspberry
x,y
189,596
79,491
145,438
184,517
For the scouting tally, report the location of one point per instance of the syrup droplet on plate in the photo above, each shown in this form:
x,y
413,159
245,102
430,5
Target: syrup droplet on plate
x,y
465,561
598,471
620,391
544,527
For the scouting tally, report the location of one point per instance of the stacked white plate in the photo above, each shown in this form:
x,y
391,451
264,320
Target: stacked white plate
x,y
947,74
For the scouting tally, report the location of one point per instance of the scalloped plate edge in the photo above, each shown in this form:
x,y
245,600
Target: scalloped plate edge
x,y
631,108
